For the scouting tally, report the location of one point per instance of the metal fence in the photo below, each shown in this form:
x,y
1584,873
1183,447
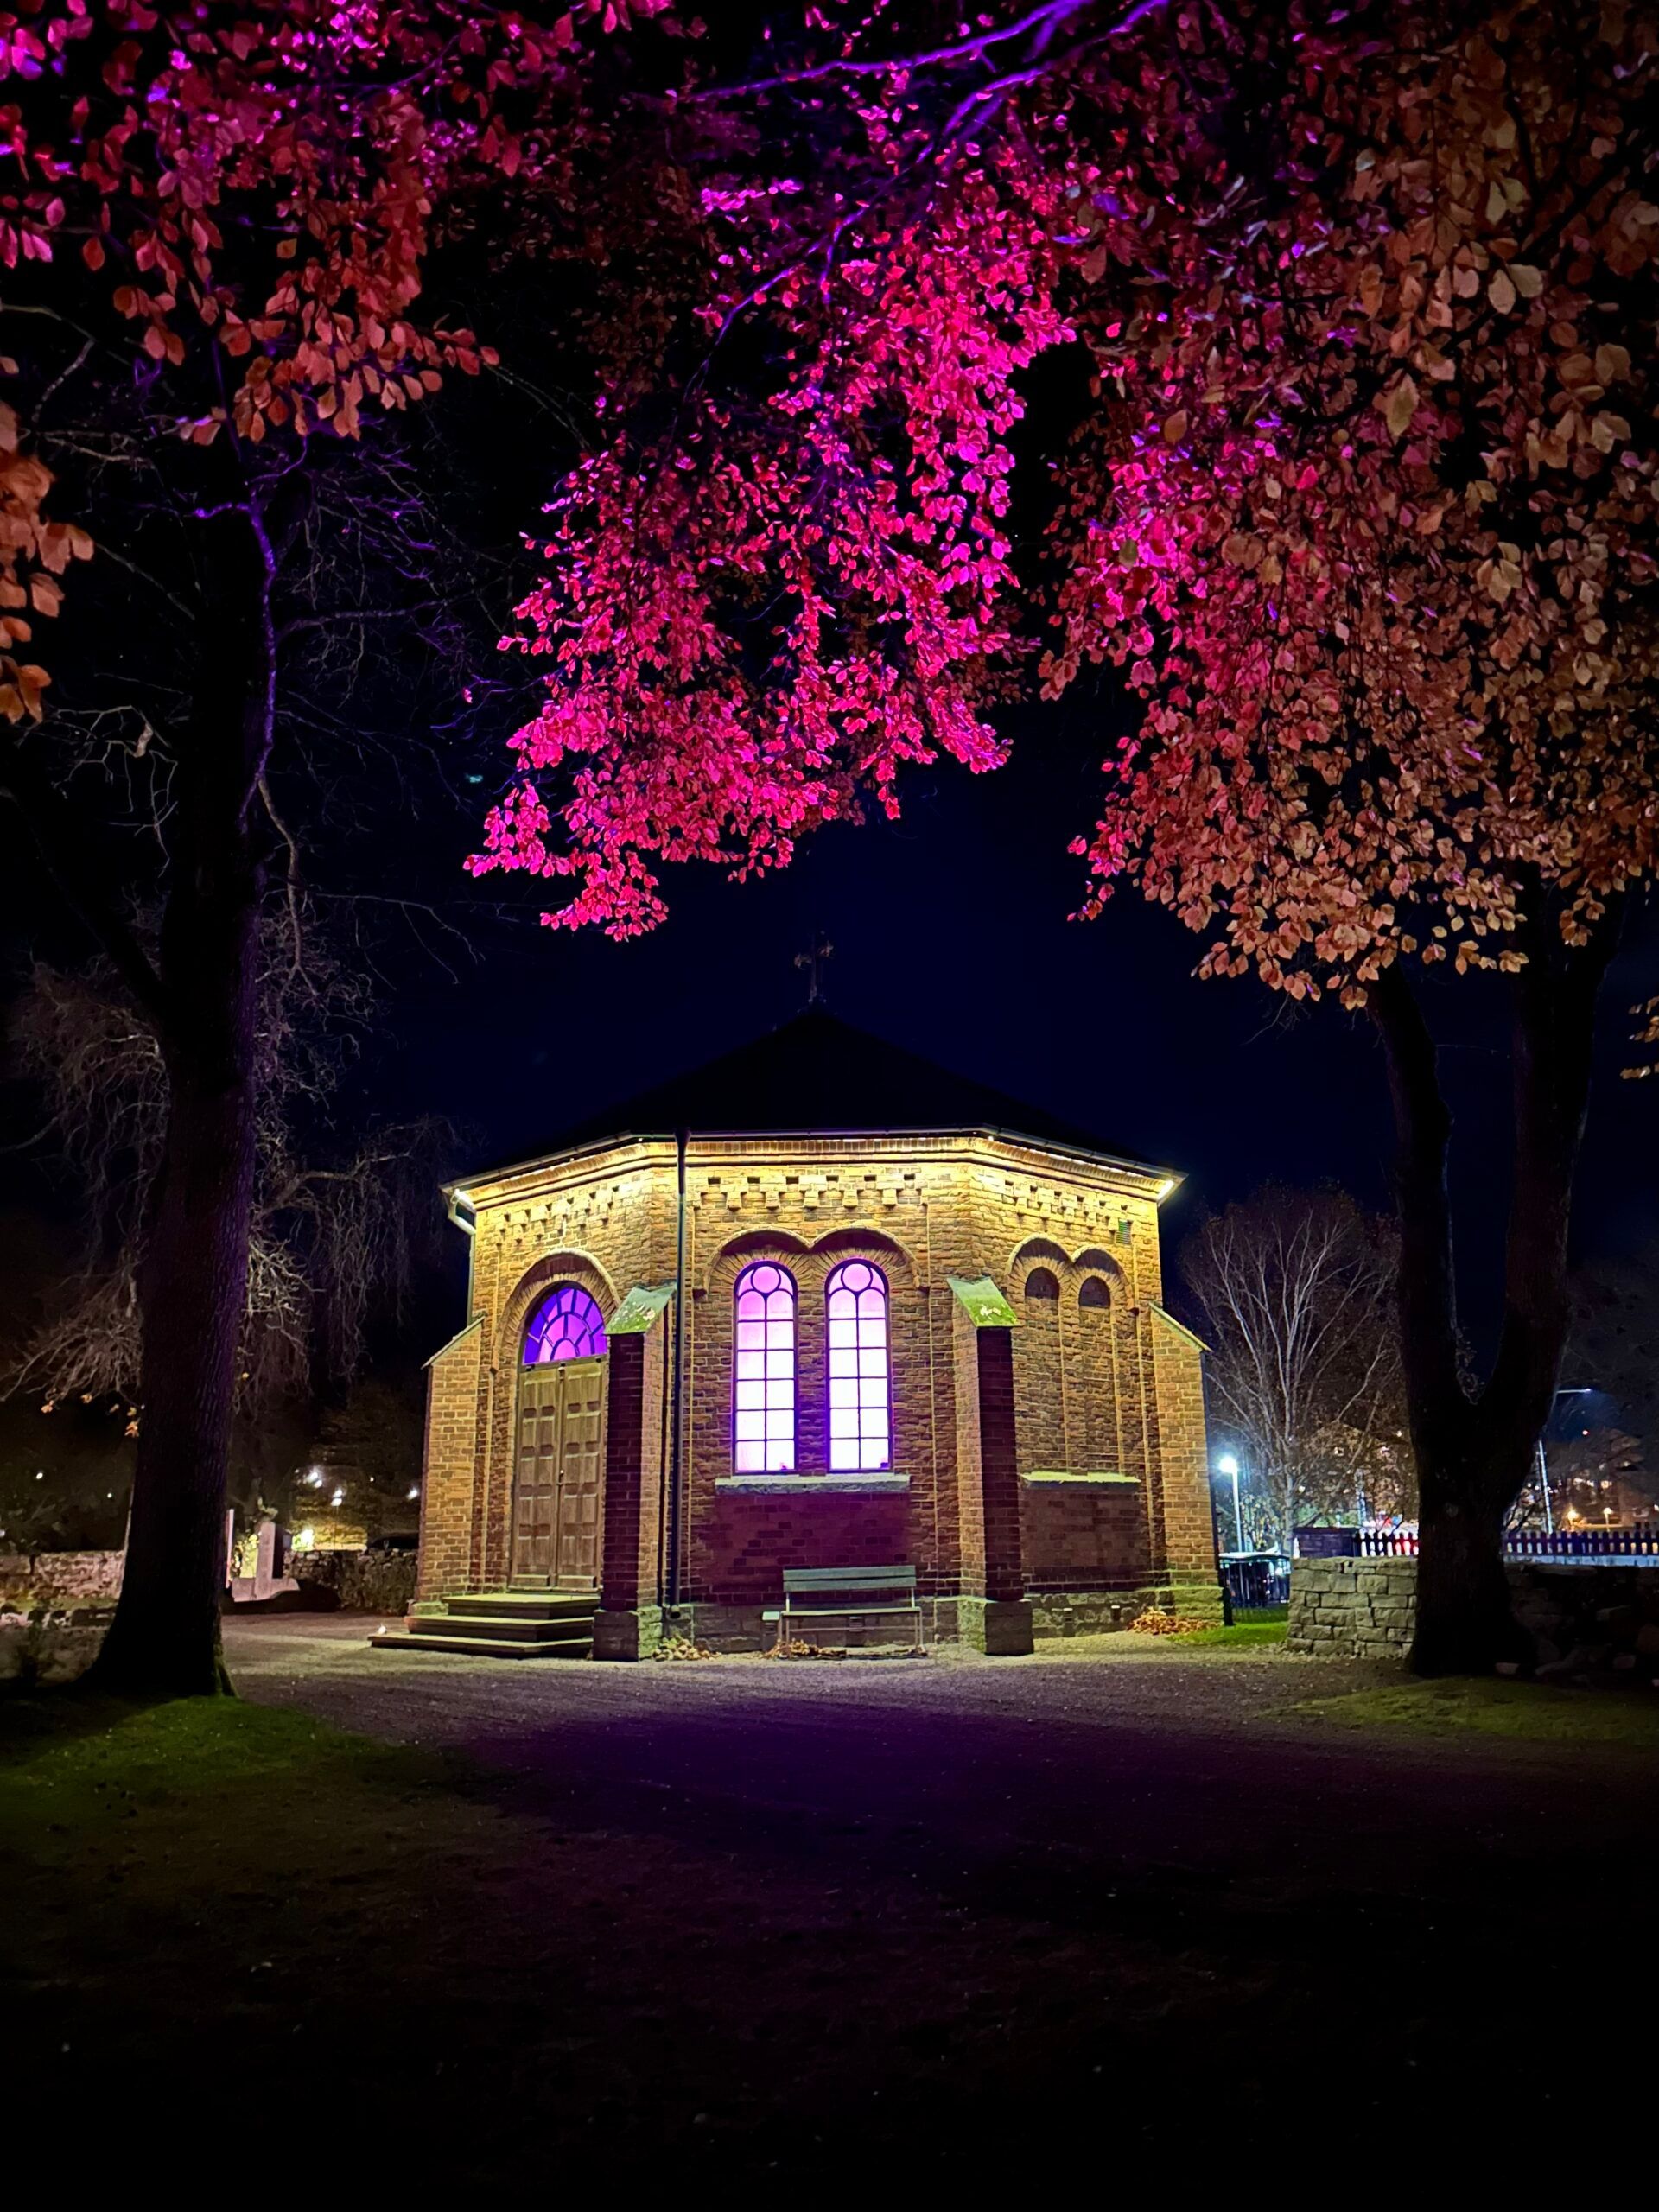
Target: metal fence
x,y
1641,1543
1637,1546
1254,1580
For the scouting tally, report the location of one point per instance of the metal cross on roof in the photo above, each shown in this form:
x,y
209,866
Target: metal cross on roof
x,y
813,961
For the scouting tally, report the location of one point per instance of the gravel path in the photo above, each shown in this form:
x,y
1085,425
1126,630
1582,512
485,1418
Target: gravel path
x,y
1109,1916
1100,1756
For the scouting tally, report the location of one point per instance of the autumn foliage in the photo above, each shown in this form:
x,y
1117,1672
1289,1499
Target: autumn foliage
x,y
34,553
256,186
218,228
1362,500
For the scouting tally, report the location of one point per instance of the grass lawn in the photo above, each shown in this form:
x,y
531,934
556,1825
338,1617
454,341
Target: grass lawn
x,y
1530,1713
372,1944
1256,1628
757,1926
1242,1635
66,1753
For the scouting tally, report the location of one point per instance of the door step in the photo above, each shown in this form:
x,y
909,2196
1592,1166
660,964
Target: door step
x,y
479,1647
514,1607
500,1624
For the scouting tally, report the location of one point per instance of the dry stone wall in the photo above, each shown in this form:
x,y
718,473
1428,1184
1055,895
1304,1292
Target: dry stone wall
x,y
362,1582
1584,1620
1352,1608
29,1580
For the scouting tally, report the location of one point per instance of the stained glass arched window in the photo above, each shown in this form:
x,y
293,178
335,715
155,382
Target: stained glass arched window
x,y
763,1388
861,1413
567,1324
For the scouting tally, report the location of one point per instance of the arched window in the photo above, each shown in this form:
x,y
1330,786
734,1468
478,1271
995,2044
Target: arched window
x,y
1042,1282
567,1326
860,1417
763,1370
1095,1293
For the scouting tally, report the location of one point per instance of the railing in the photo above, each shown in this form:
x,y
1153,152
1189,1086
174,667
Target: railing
x,y
1256,1580
1639,1544
1384,1543
1584,1543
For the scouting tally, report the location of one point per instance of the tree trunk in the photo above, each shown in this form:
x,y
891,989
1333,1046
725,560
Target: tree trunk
x,y
164,1640
1464,1622
1474,1451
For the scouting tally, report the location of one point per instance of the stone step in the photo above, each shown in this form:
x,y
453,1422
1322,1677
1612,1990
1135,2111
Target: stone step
x,y
423,1639
488,1626
522,1604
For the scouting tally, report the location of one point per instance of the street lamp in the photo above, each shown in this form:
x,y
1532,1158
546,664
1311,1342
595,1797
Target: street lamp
x,y
1228,1465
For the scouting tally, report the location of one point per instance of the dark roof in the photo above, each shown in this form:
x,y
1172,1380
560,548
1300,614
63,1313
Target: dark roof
x,y
818,1073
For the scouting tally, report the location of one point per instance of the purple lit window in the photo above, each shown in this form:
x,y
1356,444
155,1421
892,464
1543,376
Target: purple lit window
x,y
567,1326
860,1420
763,1390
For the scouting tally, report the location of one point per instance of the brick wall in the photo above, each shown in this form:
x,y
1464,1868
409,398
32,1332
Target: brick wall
x,y
1098,1393
718,1519
453,1381
635,1450
999,1464
746,1539
1076,1361
1183,1521
970,1492
1084,1535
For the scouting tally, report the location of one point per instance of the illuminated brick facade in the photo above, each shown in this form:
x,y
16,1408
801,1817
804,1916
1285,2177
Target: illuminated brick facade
x,y
1047,1464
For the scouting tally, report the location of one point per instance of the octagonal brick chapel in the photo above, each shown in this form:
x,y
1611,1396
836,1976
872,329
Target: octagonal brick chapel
x,y
922,1332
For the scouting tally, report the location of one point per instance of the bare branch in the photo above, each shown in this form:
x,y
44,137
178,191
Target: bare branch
x,y
1296,1290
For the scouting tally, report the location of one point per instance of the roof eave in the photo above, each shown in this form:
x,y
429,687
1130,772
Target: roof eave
x,y
1167,1177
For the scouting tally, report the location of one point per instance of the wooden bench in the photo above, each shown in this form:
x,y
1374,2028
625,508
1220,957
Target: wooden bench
x,y
821,1593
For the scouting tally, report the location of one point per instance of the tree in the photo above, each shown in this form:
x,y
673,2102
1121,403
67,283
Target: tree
x,y
339,1216
1293,1292
1357,489
220,227
1614,1326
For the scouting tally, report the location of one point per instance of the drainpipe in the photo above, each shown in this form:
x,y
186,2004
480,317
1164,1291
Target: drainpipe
x,y
676,1457
458,1208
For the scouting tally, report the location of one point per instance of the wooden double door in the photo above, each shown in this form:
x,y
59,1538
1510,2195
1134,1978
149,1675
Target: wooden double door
x,y
559,1475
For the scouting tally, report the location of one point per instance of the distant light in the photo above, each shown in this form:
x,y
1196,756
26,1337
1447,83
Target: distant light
x,y
306,1540
1227,1465
316,1474
339,1499
414,1490
39,1474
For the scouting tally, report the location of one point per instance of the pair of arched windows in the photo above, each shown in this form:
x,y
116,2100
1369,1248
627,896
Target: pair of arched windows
x,y
766,1300
1042,1283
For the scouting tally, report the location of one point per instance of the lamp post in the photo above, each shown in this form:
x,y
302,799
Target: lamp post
x,y
1228,1465
1567,1390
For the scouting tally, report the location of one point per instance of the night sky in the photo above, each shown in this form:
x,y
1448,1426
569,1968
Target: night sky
x,y
950,928
952,935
